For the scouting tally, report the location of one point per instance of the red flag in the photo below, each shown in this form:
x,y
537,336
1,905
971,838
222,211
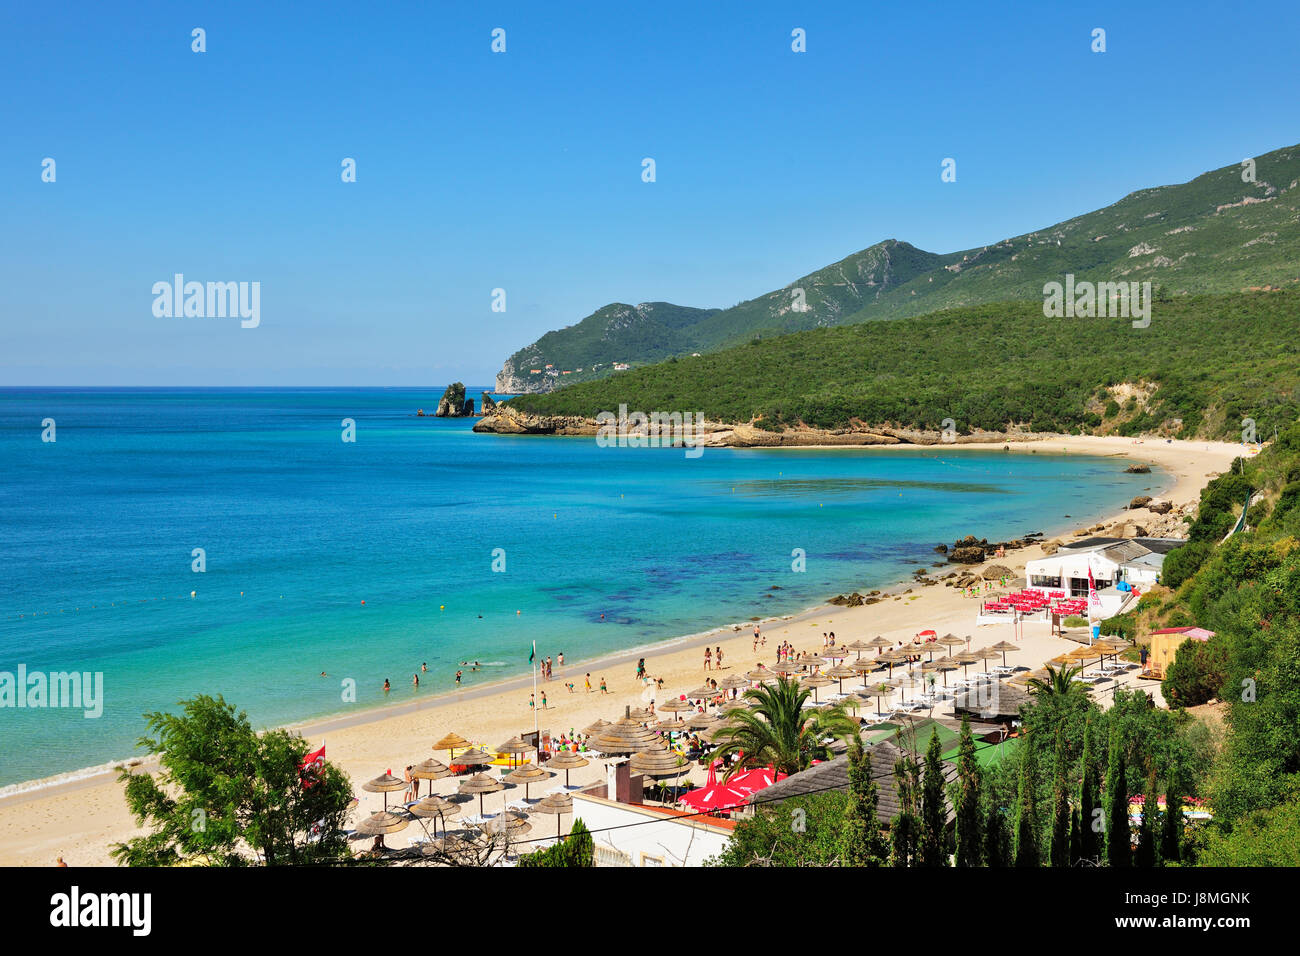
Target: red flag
x,y
311,763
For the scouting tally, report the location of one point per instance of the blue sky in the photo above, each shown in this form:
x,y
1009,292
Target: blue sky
x,y
522,170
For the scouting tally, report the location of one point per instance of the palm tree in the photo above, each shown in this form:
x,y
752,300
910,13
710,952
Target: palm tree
x,y
1057,683
778,731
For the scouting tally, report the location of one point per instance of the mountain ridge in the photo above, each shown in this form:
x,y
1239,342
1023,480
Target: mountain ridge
x,y
1214,233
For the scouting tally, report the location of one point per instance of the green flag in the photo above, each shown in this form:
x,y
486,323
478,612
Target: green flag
x,y
533,653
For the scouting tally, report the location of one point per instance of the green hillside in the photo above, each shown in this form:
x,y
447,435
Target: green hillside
x,y
1215,234
1203,364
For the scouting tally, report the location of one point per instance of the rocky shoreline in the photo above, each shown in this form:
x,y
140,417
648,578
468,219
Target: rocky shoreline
x,y
506,420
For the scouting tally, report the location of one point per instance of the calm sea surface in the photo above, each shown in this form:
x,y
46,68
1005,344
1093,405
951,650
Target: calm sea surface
x,y
299,528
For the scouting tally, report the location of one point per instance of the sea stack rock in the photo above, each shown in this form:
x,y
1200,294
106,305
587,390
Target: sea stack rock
x,y
454,404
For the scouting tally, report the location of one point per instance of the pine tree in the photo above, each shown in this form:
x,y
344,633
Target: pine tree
x,y
861,841
1118,838
1060,848
1027,851
1171,831
1147,832
934,849
1089,800
970,838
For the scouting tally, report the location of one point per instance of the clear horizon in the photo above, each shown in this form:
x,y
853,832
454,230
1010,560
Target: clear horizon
x,y
522,170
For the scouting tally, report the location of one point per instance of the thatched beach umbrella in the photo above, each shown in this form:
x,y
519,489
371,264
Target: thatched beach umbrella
x,y
784,669
641,714
839,672
480,784
952,640
567,761
943,665
437,808
1002,647
557,804
760,673
965,659
385,784
880,641
474,758
595,728
891,658
515,747
381,822
816,682
659,762
624,736
450,743
986,654
508,824
529,776
858,646
676,706
863,667
879,691
733,681
703,692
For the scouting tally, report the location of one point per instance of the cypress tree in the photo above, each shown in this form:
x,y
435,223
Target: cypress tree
x,y
1089,800
905,827
997,843
934,816
861,840
1060,848
1147,832
1118,846
970,842
1027,851
1171,831
1076,838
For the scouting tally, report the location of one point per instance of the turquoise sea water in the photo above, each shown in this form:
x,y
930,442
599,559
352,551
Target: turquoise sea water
x,y
97,530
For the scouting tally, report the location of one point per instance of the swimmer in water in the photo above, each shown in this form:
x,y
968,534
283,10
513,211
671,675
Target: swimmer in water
x,y
323,674
387,686
415,678
458,678
424,666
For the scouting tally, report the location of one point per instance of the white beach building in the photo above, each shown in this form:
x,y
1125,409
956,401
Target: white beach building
x,y
630,834
1118,565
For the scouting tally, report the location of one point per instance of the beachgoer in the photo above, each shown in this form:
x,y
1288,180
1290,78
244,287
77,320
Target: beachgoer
x,y
708,659
603,688
640,668
561,658
458,673
543,700
415,679
532,702
387,686
424,666
588,683
717,656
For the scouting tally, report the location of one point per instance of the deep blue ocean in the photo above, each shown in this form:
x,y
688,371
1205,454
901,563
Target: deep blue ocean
x,y
98,529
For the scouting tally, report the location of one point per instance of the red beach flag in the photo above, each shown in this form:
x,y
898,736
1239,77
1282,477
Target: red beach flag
x,y
311,764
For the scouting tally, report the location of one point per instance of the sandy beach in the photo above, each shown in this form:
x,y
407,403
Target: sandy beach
x,y
78,819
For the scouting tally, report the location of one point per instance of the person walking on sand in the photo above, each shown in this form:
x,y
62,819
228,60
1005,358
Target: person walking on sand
x,y
532,702
543,700
708,659
603,688
717,656
589,683
640,668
